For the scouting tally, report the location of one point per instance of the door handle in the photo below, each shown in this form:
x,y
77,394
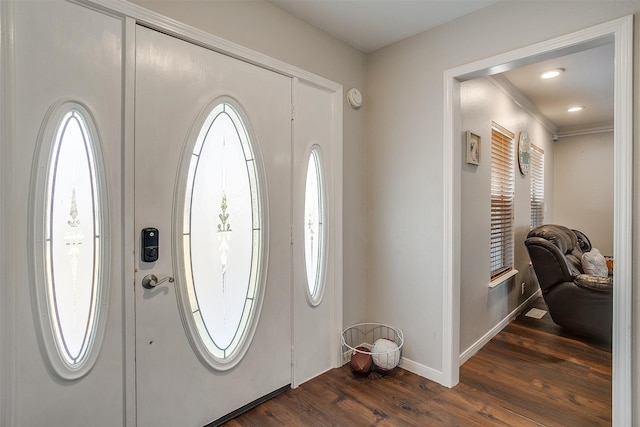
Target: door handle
x,y
150,281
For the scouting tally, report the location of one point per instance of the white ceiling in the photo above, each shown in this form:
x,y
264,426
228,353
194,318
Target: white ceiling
x,y
368,25
587,81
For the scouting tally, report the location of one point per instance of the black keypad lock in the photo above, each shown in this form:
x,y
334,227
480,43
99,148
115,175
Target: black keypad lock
x,y
150,240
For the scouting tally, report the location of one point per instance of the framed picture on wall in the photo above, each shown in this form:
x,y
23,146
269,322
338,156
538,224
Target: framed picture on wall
x,y
473,148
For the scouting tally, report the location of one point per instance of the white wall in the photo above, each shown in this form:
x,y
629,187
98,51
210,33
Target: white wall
x,y
584,187
405,170
481,308
262,27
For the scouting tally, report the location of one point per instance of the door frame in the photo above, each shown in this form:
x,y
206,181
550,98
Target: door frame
x,y
621,32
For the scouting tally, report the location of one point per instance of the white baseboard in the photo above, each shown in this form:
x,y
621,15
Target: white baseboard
x,y
418,369
466,355
437,376
298,383
422,370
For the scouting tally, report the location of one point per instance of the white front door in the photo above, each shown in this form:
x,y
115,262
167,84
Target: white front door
x,y
65,366
213,205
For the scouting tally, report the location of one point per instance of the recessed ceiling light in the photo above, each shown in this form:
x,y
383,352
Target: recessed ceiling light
x,y
552,73
575,109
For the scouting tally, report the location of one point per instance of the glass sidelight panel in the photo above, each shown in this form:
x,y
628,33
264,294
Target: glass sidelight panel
x,y
314,228
222,237
72,238
68,214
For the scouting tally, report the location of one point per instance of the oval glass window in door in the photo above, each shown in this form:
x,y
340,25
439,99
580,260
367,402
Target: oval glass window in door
x,y
314,228
222,237
69,227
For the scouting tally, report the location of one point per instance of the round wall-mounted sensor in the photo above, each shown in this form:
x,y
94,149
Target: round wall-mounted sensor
x,y
354,97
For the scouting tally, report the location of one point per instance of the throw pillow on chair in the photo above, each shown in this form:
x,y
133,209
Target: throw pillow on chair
x,y
593,263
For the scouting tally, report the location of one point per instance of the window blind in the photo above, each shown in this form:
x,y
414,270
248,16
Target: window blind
x,y
537,186
502,194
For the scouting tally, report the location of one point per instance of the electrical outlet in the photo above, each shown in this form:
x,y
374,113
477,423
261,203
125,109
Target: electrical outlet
x,y
522,286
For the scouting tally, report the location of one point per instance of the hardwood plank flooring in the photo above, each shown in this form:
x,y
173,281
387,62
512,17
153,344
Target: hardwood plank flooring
x,y
532,373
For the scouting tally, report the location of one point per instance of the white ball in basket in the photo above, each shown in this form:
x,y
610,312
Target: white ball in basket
x,y
385,354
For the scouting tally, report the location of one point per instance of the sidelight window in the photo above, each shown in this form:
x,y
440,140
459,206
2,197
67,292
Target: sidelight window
x,y
69,224
314,227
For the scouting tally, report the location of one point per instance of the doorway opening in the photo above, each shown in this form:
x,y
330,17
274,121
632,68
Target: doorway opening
x,y
621,33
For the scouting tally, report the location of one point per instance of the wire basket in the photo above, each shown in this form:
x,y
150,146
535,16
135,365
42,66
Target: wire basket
x,y
365,338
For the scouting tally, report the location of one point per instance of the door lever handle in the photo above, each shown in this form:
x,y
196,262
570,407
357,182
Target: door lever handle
x,y
150,281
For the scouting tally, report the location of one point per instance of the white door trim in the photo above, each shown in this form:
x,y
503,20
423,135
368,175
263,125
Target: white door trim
x,y
7,254
199,37
621,31
128,226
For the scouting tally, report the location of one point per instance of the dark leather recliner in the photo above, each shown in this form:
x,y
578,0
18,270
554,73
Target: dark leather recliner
x,y
579,302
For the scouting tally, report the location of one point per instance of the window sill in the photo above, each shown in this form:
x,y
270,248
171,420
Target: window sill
x,y
502,279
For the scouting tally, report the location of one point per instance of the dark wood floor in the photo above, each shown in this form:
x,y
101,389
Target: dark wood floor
x,y
530,374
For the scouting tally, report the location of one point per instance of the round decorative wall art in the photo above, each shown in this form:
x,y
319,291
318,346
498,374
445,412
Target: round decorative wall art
x,y
524,152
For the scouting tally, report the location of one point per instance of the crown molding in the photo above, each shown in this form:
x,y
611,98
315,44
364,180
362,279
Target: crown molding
x,y
522,101
589,129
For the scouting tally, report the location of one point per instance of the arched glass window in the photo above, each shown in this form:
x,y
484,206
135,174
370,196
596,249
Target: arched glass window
x,y
69,227
222,237
314,227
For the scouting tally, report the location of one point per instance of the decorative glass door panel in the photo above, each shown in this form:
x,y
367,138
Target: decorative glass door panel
x,y
222,238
